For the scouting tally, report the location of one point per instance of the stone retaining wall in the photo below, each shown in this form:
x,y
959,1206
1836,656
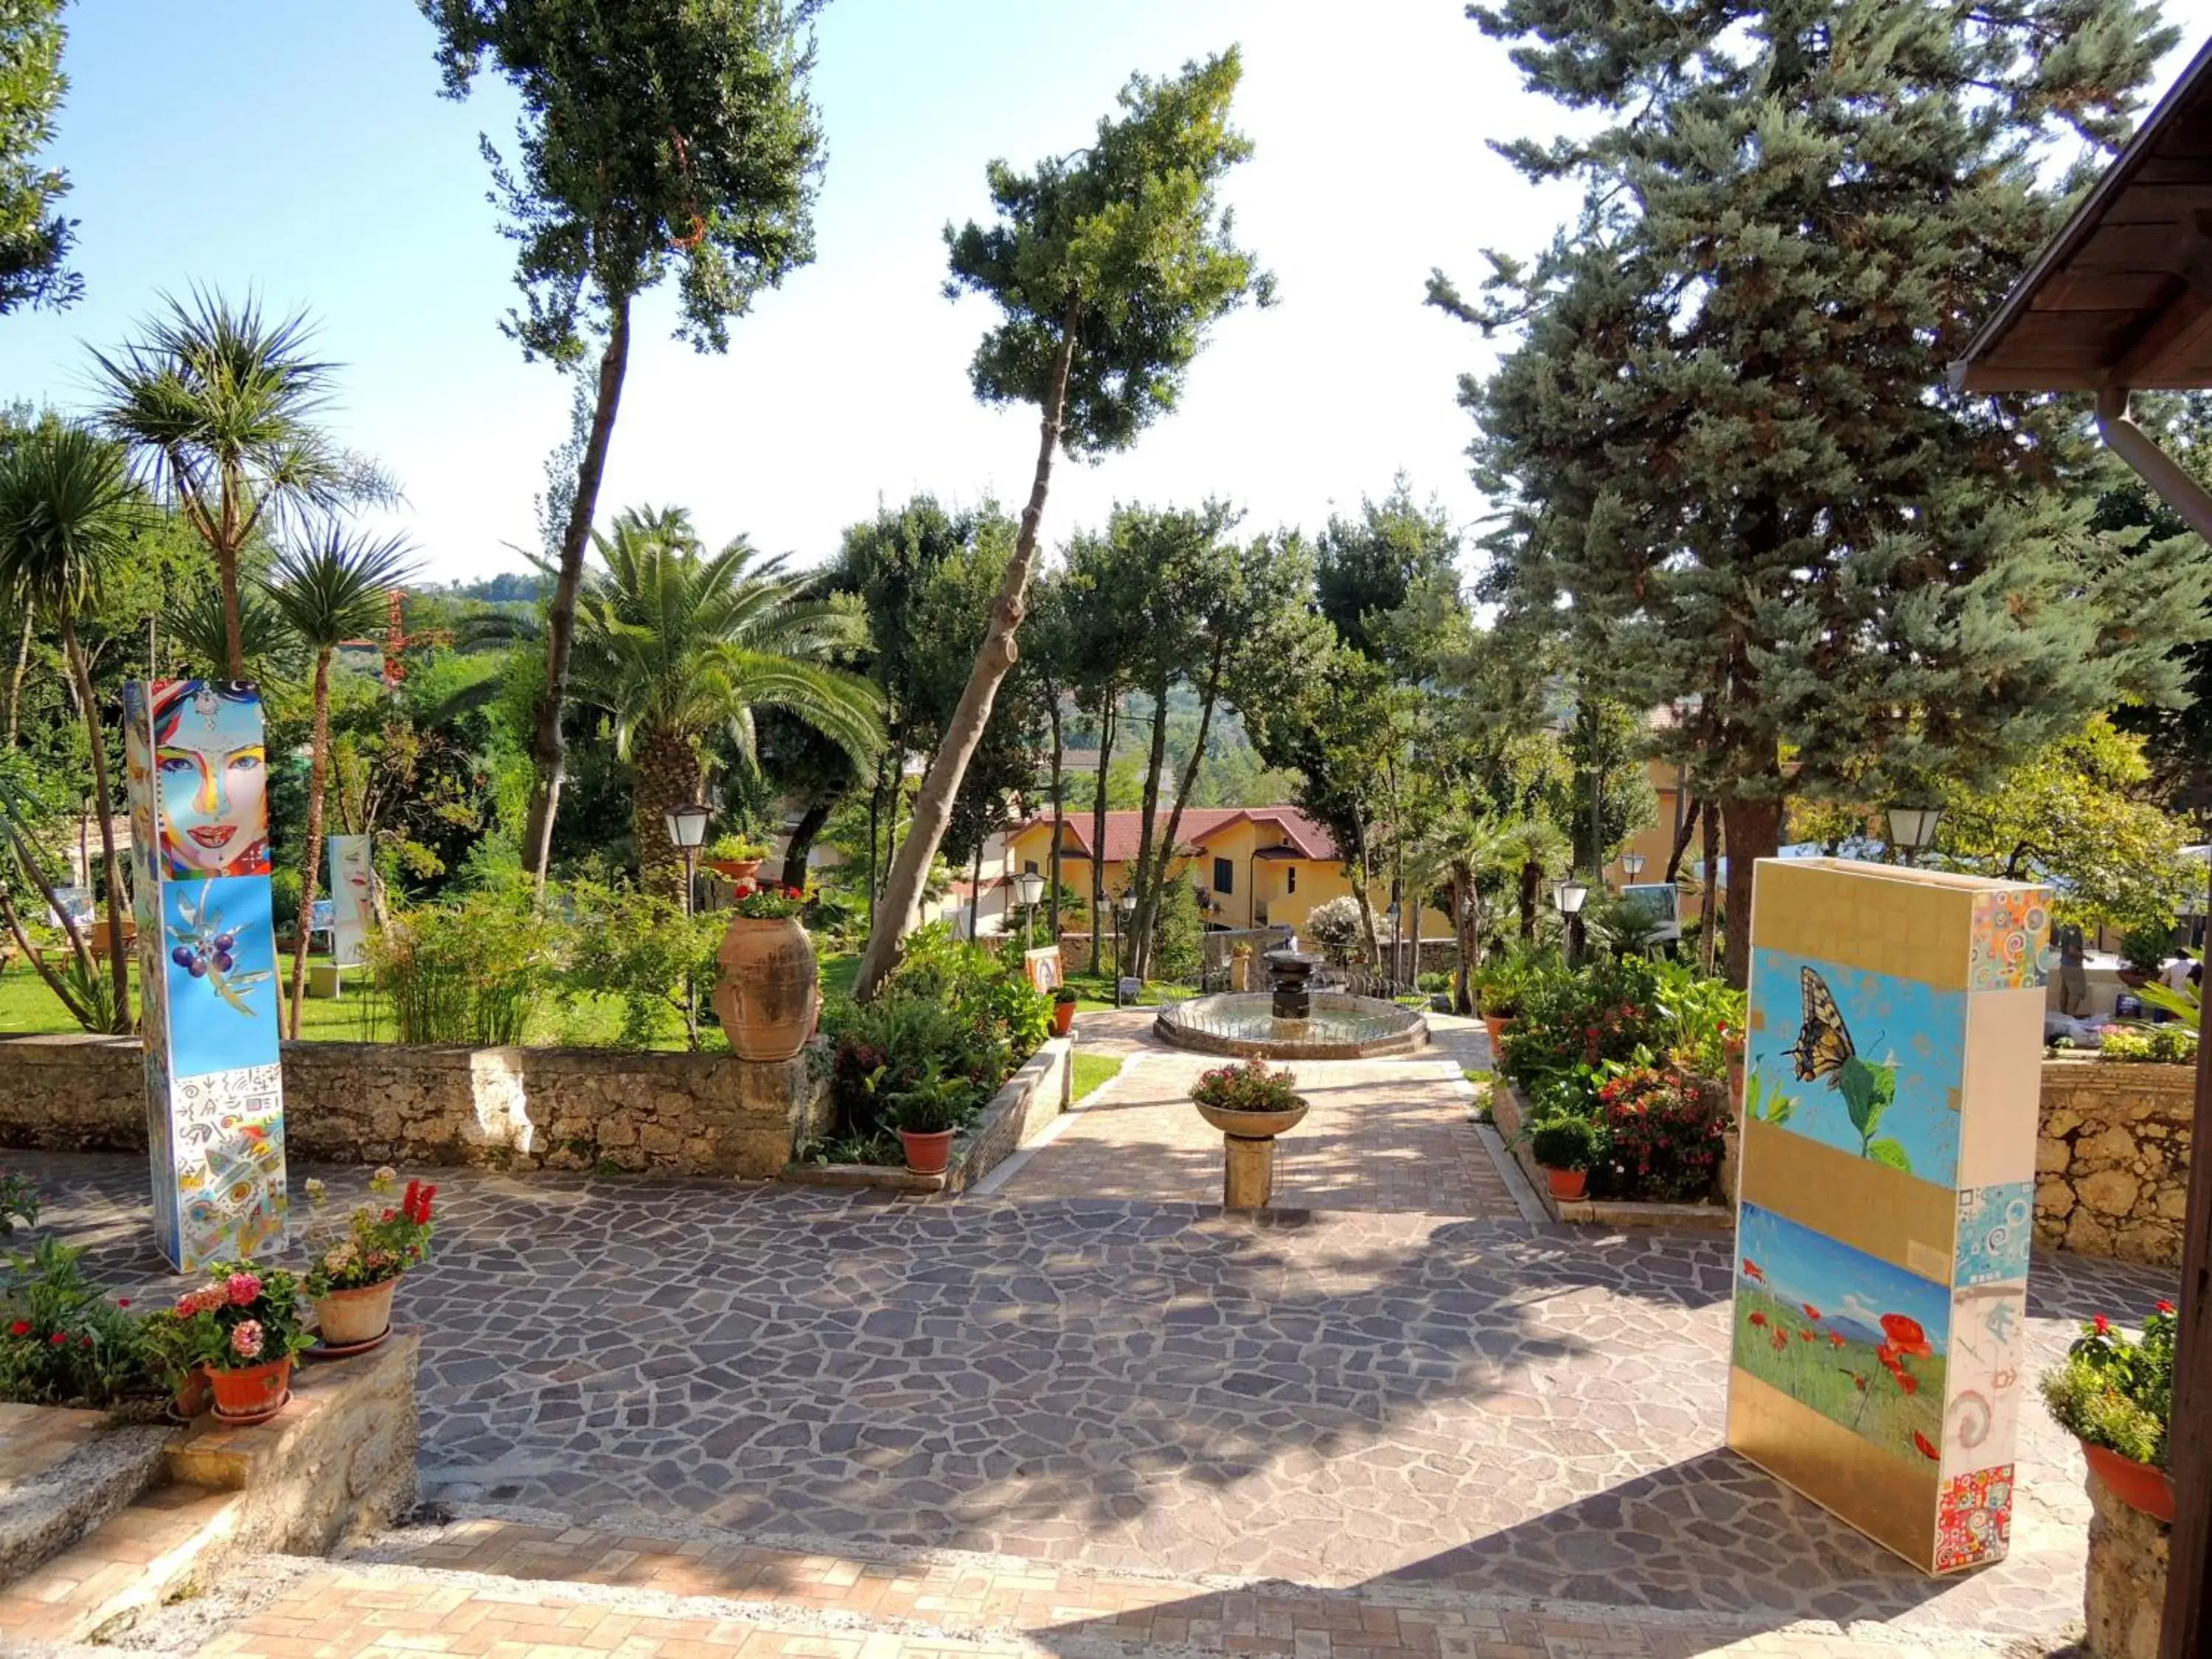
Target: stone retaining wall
x,y
2112,1163
521,1108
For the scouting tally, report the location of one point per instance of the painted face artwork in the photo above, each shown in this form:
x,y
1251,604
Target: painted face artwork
x,y
211,775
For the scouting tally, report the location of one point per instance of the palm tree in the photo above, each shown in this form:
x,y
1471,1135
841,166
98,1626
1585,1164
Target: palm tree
x,y
221,406
1466,849
674,643
327,592
67,509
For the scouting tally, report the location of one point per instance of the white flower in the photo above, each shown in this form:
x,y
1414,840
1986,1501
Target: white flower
x,y
316,1191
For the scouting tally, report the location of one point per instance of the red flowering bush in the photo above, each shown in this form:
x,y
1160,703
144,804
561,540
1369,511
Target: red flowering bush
x,y
768,903
1664,1133
377,1244
1574,1019
62,1343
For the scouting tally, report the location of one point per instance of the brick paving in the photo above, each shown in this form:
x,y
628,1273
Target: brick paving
x,y
1398,1401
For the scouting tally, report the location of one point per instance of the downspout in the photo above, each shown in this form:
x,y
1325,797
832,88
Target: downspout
x,y
2156,468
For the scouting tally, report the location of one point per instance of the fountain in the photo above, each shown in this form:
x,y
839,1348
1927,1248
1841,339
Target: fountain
x,y
1291,1020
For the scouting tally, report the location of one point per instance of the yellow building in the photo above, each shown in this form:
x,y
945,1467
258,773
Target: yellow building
x,y
1253,866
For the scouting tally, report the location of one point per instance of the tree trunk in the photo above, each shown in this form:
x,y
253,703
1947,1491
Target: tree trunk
x,y
15,679
664,773
1466,921
934,810
1753,831
1186,785
1059,816
1532,882
1362,882
119,960
319,761
800,847
1682,832
1708,906
1107,698
1141,881
548,751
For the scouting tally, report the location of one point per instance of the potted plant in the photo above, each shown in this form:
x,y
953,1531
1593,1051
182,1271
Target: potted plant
x,y
351,1278
172,1345
245,1327
736,857
1499,984
769,993
928,1114
1566,1147
1063,1010
2116,1397
1250,1100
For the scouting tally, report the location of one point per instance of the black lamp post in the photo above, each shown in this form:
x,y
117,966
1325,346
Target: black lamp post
x,y
1127,904
1913,830
1569,895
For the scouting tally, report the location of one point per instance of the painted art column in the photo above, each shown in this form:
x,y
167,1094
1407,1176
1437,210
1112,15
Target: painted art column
x,y
1887,1197
207,968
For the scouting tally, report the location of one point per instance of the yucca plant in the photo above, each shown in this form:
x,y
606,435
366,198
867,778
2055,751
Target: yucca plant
x,y
327,592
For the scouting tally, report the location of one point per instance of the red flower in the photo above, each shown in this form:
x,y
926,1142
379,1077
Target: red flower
x,y
1759,1318
1927,1451
2165,1307
20,1328
1811,1312
122,1301
388,1214
1781,1342
1907,1382
1906,1334
2103,1326
1752,1269
58,1338
1804,1336
1835,1337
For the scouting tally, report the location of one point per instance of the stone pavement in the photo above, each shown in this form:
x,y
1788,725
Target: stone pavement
x,y
1400,1403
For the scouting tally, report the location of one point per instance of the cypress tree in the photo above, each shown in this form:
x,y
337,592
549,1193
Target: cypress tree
x,y
1733,475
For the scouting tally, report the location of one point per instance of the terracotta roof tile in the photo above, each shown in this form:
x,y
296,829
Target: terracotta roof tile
x,y
1292,828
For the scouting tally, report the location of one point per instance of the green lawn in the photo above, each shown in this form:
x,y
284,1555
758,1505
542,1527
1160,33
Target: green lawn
x,y
1093,1071
1096,991
838,972
27,1007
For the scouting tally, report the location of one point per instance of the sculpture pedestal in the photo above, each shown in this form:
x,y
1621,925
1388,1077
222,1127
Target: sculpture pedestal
x,y
1247,1140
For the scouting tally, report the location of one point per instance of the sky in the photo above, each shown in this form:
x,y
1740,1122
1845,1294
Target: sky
x,y
302,151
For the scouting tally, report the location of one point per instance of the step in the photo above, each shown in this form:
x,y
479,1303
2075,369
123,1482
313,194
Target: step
x,y
875,1604
133,1561
62,1473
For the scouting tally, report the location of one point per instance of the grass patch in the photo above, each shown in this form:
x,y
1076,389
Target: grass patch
x,y
839,973
1094,1072
1096,991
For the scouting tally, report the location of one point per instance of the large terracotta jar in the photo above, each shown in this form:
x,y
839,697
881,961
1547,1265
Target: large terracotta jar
x,y
769,993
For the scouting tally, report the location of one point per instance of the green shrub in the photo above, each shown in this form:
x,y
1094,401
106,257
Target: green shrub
x,y
1570,1023
1432,983
2145,948
19,1201
62,1343
1565,1143
468,972
641,949
2116,1393
1507,971
933,1102
1178,935
2160,1045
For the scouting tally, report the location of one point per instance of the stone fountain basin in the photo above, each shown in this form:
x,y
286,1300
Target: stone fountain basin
x,y
1254,1126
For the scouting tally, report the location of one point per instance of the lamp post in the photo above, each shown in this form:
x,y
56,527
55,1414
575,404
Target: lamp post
x,y
687,831
1127,905
1913,830
1029,888
1632,864
1569,896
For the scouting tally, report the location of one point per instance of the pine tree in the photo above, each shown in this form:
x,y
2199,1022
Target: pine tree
x,y
1734,476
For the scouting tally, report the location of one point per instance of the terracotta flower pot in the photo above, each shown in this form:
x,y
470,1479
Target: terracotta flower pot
x,y
1063,1017
194,1397
927,1152
768,994
735,869
253,1394
1568,1186
2136,1485
349,1319
1496,1024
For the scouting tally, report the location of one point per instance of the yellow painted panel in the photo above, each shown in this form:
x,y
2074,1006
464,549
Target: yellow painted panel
x,y
1884,1212
1856,1482
1912,924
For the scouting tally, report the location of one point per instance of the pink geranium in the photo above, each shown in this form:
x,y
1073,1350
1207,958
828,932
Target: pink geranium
x,y
245,1338
243,1289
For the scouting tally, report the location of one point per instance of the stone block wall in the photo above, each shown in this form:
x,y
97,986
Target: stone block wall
x,y
1036,1093
2125,1592
2112,1164
521,1108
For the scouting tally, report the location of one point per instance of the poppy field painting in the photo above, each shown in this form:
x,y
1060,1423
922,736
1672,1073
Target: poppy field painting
x,y
1860,1341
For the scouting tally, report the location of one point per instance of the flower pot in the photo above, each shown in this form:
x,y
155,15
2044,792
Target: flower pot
x,y
194,1397
1568,1186
1496,1024
253,1394
2134,978
928,1151
1254,1126
2136,1485
769,993
735,870
349,1319
1063,1017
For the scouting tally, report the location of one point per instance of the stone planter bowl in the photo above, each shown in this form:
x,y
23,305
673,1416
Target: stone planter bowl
x,y
1254,1126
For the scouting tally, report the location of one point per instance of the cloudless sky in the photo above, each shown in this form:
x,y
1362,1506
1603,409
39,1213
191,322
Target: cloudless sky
x,y
302,150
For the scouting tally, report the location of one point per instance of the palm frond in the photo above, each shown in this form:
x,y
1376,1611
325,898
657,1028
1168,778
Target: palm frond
x,y
67,510
332,589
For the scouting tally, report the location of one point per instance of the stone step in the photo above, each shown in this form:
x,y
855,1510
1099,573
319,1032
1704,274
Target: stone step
x,y
132,1562
874,1604
62,1472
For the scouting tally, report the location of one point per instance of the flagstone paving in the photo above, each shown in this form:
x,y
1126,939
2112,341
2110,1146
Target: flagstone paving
x,y
1394,1401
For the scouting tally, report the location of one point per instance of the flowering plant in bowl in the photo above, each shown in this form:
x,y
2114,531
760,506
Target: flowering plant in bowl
x,y
2115,1395
769,903
1251,1086
351,1275
244,1326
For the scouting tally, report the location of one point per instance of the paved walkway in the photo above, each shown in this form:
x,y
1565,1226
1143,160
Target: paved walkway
x,y
1397,1403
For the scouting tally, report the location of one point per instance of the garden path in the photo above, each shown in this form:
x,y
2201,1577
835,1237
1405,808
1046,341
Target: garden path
x,y
1461,1413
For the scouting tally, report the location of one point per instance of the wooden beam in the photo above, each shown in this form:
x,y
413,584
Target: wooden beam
x,y
2185,1632
2172,336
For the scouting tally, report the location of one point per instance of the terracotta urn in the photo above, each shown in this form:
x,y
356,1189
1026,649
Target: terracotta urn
x,y
736,870
769,993
2138,1486
352,1319
1496,1024
252,1393
928,1151
1063,1017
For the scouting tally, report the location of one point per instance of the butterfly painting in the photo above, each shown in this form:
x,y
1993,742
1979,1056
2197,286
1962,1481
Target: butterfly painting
x,y
1824,1044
